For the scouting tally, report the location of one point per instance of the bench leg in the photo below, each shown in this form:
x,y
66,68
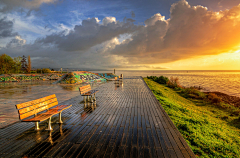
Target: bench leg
x,y
91,99
60,117
84,98
37,126
49,124
88,98
94,97
95,104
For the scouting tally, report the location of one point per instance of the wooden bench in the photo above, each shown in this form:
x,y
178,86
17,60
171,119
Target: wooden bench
x,y
39,110
121,76
87,91
116,80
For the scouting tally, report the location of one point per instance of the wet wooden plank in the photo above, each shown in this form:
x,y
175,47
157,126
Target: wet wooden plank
x,y
127,121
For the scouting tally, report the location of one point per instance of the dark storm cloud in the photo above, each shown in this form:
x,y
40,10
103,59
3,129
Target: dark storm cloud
x,y
89,34
6,28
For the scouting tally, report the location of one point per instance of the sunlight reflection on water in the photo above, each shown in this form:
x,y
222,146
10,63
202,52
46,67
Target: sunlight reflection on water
x,y
223,81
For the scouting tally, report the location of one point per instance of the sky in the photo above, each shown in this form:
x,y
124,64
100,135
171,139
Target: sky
x,y
123,34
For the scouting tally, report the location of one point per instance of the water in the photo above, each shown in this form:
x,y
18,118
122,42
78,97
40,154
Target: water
x,y
227,82
14,93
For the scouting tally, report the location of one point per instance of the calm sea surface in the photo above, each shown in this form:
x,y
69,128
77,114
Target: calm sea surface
x,y
14,93
223,81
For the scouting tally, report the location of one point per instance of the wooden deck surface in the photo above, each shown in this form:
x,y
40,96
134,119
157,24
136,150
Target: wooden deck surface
x,y
127,121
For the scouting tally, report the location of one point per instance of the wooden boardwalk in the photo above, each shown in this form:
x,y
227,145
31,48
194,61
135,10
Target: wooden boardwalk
x,y
127,121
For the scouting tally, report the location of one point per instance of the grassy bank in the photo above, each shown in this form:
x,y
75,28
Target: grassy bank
x,y
210,129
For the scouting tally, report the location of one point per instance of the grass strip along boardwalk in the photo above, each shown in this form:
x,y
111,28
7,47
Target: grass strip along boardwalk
x,y
127,121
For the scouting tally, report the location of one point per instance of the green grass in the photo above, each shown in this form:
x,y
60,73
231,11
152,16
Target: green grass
x,y
209,129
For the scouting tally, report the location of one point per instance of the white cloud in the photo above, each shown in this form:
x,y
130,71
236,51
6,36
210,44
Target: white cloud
x,y
154,19
108,20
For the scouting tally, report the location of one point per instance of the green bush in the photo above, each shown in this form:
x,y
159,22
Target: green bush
x,y
160,79
193,93
44,70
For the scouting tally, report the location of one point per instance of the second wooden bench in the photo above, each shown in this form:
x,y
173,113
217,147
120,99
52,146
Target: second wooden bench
x,y
87,91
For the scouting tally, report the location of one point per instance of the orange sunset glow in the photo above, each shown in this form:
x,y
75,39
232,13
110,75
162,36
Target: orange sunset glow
x,y
120,78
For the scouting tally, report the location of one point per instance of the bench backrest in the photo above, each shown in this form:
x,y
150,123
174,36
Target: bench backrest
x,y
35,106
84,89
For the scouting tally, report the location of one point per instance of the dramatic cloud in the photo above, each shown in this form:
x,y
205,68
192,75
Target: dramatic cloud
x,y
190,31
151,21
89,34
108,20
17,41
97,57
8,5
6,28
86,46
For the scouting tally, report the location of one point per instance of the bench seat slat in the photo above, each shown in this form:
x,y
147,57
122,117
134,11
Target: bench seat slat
x,y
38,118
58,109
61,107
90,93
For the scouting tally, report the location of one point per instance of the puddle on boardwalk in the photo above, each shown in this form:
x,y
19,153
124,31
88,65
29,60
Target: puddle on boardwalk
x,y
15,93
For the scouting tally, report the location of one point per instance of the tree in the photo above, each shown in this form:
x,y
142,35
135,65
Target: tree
x,y
6,64
29,65
17,61
46,70
24,63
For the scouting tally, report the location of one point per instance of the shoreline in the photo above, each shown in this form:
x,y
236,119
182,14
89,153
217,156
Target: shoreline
x,y
226,98
233,100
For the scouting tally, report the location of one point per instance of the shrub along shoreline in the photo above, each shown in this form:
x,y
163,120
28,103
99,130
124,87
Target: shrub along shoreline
x,y
209,124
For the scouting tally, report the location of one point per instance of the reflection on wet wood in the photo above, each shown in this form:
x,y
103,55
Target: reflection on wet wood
x,y
126,121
